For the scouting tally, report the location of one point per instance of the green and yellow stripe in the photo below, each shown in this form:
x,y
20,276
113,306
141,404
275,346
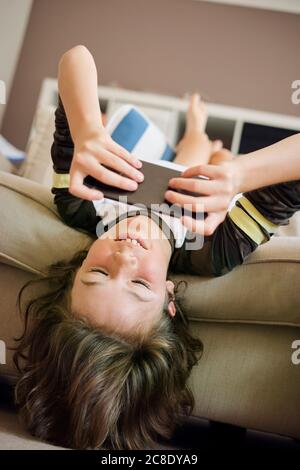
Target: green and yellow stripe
x,y
61,180
251,220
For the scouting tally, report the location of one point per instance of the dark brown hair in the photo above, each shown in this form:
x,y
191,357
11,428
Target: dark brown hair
x,y
84,388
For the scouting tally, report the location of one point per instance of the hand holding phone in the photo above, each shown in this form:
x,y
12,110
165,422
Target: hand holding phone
x,y
149,193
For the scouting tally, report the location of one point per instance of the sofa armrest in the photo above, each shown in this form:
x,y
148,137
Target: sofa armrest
x,y
32,235
6,165
262,290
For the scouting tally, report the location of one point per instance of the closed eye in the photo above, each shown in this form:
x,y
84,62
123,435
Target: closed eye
x,y
97,270
143,283
136,281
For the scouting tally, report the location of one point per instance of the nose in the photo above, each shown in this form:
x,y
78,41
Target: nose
x,y
125,258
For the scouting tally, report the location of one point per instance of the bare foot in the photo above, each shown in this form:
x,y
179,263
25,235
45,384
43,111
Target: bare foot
x,y
195,147
196,116
221,155
196,119
216,146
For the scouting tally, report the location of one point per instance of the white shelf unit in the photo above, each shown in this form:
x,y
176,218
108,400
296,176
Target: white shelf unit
x,y
168,112
286,6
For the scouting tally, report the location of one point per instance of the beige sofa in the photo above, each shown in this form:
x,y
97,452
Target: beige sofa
x,y
247,319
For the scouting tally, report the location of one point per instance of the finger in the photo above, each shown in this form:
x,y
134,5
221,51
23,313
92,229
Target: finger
x,y
196,226
116,163
77,188
123,153
110,178
212,221
190,203
195,185
205,203
211,171
204,227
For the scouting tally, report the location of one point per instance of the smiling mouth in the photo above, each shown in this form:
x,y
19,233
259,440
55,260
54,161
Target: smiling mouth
x,y
134,239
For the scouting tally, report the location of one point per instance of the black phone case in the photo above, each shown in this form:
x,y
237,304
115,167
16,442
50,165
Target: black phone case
x,y
150,191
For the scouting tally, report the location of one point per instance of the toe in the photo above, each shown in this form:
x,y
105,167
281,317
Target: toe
x,y
216,145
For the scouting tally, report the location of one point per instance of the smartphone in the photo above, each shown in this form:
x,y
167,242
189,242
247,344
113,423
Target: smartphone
x,y
151,191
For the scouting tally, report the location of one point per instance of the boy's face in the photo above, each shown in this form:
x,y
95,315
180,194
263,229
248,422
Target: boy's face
x,y
122,284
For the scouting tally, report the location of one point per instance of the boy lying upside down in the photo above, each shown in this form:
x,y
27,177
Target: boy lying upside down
x,y
128,366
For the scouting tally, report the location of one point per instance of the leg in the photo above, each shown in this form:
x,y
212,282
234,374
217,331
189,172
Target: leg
x,y
195,147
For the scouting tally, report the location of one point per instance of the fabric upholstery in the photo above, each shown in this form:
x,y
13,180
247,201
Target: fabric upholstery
x,y
246,319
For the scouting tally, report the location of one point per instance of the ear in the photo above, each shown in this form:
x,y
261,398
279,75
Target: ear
x,y
171,303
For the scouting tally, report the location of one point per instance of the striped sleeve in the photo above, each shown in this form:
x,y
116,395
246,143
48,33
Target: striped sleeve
x,y
251,222
74,211
129,127
62,148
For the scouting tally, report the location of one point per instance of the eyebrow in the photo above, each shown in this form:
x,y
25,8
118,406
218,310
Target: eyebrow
x,y
135,294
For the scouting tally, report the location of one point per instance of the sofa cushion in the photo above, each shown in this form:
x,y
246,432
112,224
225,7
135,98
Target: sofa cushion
x,y
32,233
262,291
13,435
11,322
32,237
5,164
38,164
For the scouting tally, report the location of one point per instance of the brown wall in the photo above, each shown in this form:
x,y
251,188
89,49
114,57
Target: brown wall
x,y
237,56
